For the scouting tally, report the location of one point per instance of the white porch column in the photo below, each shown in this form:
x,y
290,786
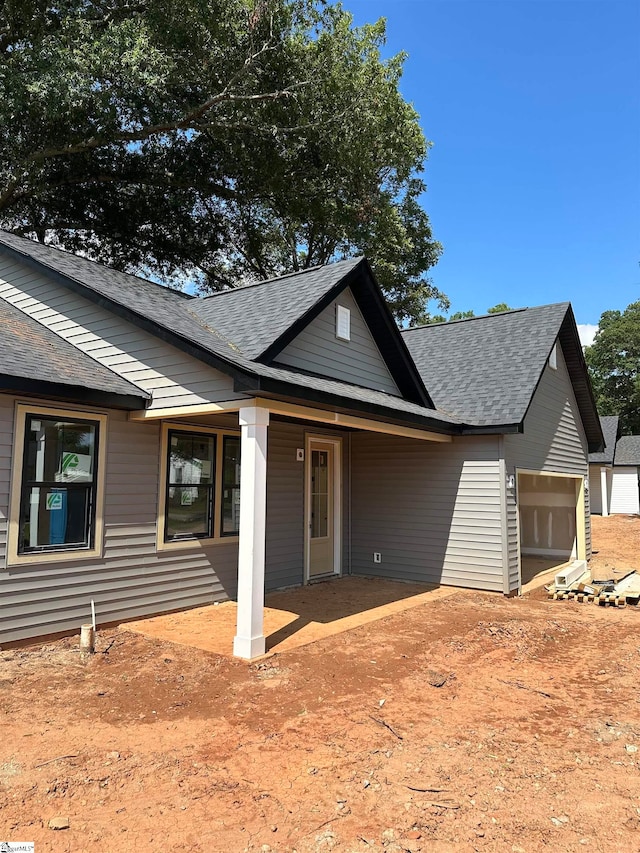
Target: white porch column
x,y
249,640
603,491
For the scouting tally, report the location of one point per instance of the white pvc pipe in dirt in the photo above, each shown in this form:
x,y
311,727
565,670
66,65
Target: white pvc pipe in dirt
x,y
87,639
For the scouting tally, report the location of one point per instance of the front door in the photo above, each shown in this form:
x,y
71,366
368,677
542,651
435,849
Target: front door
x,y
323,508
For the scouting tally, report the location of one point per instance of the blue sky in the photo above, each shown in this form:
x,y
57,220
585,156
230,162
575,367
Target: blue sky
x,y
533,107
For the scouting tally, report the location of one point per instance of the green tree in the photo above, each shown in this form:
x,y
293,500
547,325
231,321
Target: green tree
x,y
467,315
215,140
614,366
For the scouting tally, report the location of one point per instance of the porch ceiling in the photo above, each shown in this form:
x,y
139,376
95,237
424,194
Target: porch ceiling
x,y
293,618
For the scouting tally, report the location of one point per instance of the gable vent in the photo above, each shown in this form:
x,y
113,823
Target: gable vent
x,y
343,323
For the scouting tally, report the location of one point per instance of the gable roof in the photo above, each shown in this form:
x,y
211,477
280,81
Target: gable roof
x,y
609,424
33,359
459,362
180,320
256,315
167,314
485,370
263,318
628,450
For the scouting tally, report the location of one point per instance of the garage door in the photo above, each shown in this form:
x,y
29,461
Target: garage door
x,y
547,510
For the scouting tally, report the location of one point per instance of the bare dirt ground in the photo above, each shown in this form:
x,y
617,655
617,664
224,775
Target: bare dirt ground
x,y
469,723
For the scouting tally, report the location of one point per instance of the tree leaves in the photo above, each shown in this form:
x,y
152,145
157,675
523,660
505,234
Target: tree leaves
x,y
614,366
218,140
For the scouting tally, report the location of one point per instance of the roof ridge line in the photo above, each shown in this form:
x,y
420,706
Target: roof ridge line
x,y
486,316
103,266
276,278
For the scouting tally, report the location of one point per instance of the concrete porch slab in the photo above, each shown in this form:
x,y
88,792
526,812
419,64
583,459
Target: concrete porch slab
x,y
295,617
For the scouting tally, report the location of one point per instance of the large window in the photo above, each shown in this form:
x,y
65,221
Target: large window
x,y
230,485
200,494
58,484
190,485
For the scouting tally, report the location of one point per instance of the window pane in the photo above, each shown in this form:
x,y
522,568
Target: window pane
x,y
52,516
59,451
319,493
231,484
191,458
188,511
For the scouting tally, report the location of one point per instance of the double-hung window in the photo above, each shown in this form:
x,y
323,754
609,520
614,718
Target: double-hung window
x,y
230,525
200,492
57,485
190,485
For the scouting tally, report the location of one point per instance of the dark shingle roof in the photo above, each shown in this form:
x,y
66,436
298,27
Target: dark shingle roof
x,y
628,450
486,369
609,424
166,307
255,316
481,372
32,352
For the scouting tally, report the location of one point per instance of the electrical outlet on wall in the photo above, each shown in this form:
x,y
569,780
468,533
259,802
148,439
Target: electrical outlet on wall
x,y
377,557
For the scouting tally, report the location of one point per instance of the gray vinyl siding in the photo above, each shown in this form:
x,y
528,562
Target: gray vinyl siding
x,y
432,510
132,578
173,378
358,361
285,506
553,440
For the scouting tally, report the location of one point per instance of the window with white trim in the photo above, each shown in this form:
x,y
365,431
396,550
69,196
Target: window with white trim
x,y
343,323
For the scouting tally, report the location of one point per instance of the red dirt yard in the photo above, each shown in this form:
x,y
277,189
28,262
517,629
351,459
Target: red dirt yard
x,y
470,722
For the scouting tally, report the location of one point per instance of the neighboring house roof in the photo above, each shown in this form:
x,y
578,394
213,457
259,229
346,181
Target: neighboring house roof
x,y
33,359
485,370
609,424
628,450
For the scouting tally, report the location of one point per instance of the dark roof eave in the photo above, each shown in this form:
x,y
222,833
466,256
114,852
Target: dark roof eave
x,y
577,367
290,392
74,393
493,429
133,317
367,293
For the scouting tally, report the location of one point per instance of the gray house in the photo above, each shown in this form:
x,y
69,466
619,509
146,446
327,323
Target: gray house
x,y
614,472
160,451
625,492
601,466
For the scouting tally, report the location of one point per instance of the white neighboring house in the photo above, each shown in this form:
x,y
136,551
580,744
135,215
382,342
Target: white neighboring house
x,y
601,467
625,492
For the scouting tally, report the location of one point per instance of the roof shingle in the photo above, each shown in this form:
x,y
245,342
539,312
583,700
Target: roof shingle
x,y
255,316
30,351
609,424
628,450
485,370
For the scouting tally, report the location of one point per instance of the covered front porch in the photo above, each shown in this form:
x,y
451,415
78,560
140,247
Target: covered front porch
x,y
295,517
